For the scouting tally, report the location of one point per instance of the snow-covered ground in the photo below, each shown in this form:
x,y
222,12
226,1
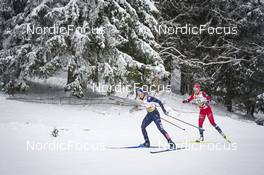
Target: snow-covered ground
x,y
85,132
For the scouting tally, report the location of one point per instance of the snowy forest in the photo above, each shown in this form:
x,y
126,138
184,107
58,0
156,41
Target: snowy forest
x,y
123,43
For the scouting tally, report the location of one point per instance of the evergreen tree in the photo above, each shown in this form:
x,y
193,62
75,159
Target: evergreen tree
x,y
229,65
117,45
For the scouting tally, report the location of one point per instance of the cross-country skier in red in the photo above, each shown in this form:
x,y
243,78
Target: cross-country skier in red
x,y
202,100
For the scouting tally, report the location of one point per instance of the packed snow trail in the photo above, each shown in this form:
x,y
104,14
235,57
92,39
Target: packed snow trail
x,y
89,130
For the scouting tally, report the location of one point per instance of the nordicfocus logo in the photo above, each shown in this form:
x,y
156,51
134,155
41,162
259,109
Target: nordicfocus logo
x,y
129,88
189,29
69,146
211,146
63,30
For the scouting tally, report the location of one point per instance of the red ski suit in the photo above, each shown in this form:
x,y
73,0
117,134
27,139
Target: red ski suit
x,y
205,109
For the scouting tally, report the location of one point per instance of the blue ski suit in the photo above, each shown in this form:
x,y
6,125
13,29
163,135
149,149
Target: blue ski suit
x,y
153,115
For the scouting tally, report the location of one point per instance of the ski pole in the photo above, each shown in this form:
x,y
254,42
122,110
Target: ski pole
x,y
186,122
172,124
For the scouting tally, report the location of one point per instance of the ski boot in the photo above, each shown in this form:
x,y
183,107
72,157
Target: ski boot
x,y
222,134
146,144
171,144
201,139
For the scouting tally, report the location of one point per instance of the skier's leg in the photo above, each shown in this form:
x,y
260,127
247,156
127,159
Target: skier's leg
x,y
146,121
219,129
201,118
157,121
200,123
212,121
210,116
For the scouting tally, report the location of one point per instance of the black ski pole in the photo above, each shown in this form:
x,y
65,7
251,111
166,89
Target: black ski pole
x,y
186,122
172,124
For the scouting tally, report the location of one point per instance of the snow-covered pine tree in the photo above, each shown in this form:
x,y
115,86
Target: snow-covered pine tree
x,y
230,66
117,45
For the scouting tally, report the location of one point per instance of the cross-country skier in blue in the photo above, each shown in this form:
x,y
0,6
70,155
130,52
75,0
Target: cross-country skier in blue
x,y
152,115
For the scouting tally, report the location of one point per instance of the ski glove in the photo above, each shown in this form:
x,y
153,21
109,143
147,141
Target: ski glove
x,y
185,101
166,113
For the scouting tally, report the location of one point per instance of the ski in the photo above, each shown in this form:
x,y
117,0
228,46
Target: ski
x,y
166,150
131,147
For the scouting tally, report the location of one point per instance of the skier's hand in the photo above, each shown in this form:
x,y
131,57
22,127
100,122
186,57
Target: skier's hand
x,y
166,113
185,101
207,103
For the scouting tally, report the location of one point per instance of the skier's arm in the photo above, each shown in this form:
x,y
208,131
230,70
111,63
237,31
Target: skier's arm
x,y
208,98
153,99
189,99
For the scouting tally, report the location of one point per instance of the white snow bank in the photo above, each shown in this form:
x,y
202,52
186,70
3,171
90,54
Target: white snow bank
x,y
23,124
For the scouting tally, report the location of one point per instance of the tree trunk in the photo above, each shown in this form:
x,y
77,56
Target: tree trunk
x,y
250,107
185,83
228,103
70,77
176,81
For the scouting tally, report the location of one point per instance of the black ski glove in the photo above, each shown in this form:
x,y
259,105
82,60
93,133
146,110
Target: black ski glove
x,y
185,101
166,113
